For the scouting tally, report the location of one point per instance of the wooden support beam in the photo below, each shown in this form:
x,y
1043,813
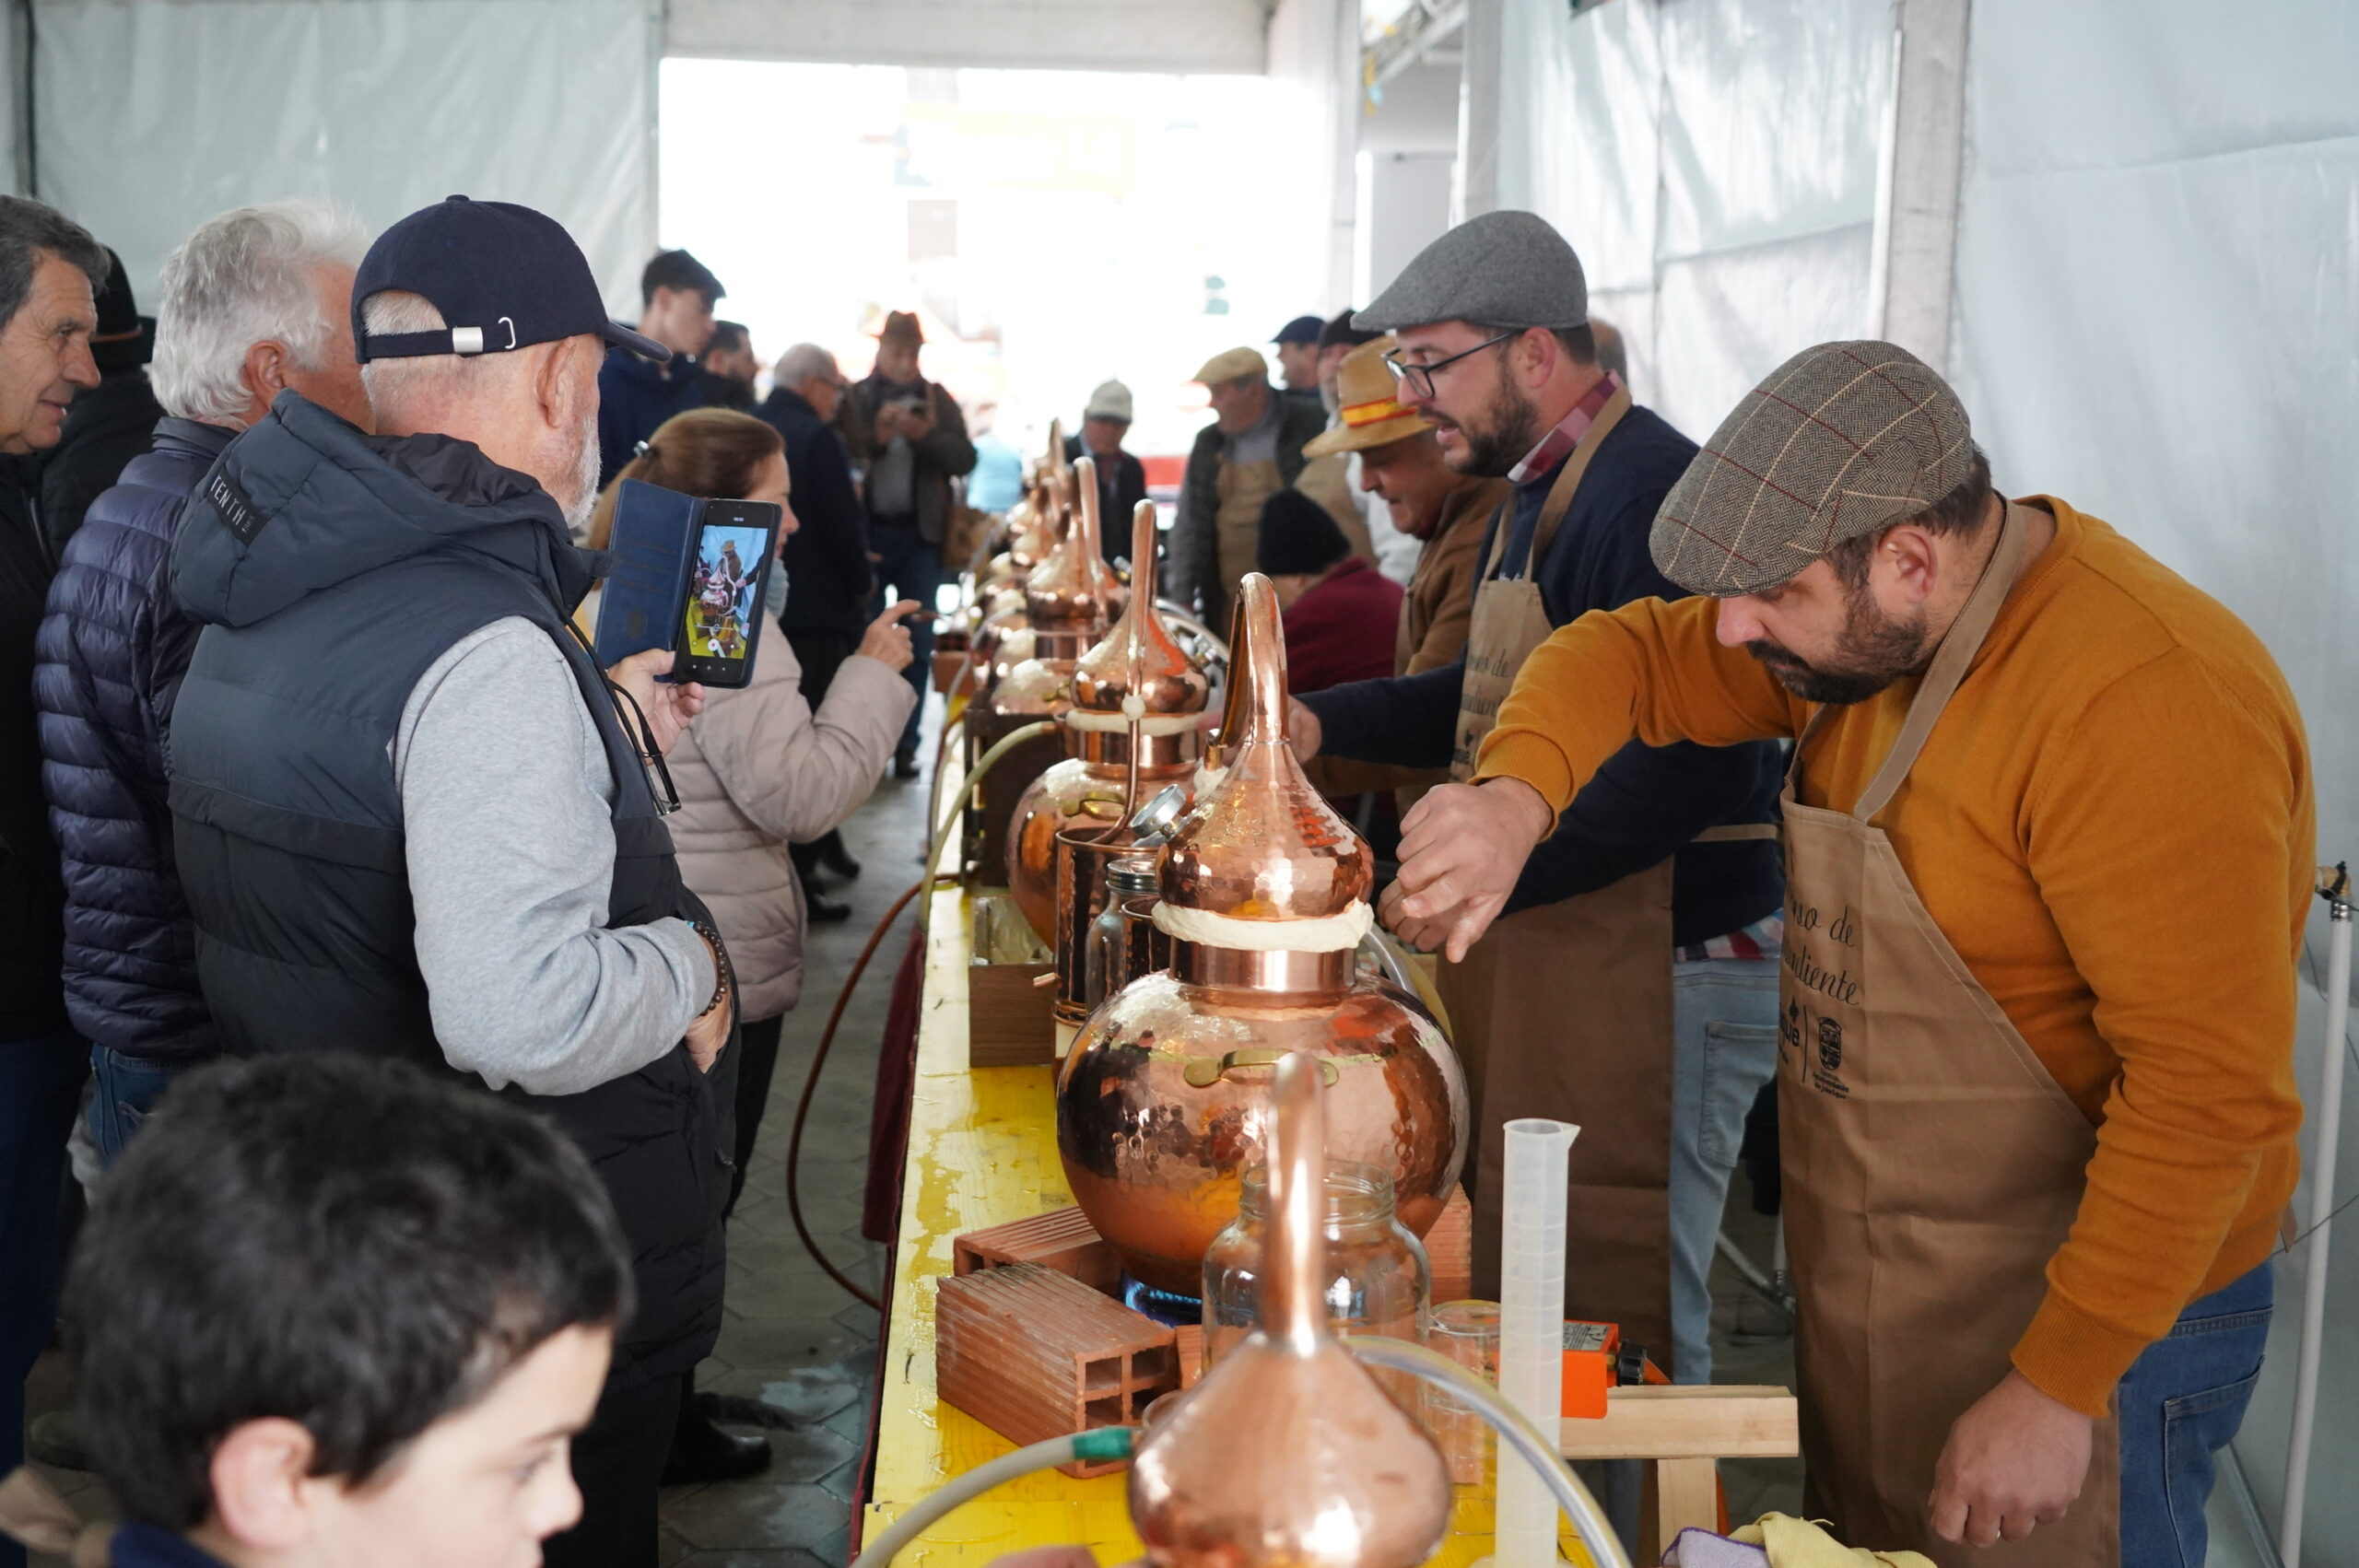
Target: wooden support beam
x,y
1709,1422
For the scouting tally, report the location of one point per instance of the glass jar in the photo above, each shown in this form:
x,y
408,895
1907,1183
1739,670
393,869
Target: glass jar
x,y
1121,939
1378,1281
1468,1333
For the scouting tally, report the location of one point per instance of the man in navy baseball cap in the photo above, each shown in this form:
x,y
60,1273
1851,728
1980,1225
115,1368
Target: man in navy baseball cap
x,y
501,276
417,824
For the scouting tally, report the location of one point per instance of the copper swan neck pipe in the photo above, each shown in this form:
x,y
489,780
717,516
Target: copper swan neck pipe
x,y
1294,1307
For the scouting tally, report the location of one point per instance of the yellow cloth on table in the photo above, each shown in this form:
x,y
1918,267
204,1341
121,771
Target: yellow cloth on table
x,y
1798,1543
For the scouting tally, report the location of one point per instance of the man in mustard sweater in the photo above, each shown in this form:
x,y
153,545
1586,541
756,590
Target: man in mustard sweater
x,y
2048,843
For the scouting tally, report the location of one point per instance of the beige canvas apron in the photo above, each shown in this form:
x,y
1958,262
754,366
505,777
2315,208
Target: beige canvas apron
x,y
1931,1164
1237,525
1563,1010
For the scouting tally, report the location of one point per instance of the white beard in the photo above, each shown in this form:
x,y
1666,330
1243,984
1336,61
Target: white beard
x,y
583,499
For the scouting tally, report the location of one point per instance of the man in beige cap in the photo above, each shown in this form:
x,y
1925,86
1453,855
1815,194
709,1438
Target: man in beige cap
x,y
1121,478
1252,448
1444,510
2049,854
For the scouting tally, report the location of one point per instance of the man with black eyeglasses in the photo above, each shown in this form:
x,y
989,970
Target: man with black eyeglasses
x,y
1632,986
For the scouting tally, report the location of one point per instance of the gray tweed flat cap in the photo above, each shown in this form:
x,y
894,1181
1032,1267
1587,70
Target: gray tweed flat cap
x,y
1502,269
1838,442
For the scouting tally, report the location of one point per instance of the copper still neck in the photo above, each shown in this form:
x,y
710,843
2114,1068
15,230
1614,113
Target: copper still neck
x,y
1288,1453
1264,845
1072,592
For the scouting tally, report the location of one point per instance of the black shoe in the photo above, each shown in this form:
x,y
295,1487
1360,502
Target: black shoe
x,y
823,912
702,1452
837,859
904,765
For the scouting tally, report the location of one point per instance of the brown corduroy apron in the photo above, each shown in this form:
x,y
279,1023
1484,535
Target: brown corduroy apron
x,y
1931,1164
1563,1010
1236,524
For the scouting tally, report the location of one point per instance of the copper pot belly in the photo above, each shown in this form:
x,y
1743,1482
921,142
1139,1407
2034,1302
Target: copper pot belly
x,y
1154,1132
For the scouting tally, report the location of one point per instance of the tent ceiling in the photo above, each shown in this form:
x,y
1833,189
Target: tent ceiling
x,y
1225,35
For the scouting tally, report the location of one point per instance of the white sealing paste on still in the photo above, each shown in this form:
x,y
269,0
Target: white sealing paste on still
x,y
1328,933
1149,723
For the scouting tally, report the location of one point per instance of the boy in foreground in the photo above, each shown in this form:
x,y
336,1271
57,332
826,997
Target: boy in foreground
x,y
332,1311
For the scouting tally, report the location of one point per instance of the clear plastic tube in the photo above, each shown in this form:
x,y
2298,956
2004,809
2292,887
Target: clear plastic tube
x,y
1532,1324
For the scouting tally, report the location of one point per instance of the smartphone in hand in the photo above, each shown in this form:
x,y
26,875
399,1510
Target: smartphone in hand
x,y
687,575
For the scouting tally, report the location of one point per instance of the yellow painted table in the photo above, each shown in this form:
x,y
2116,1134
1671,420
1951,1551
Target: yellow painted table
x,y
982,1151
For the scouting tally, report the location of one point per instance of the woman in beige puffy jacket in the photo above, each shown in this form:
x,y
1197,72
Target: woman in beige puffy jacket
x,y
756,771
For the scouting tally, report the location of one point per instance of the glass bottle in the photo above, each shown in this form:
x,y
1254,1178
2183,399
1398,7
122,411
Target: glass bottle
x,y
1379,1279
1121,949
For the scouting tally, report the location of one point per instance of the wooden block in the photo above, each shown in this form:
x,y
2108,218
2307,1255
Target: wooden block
x,y
1450,1249
1709,1422
1007,1015
1063,1239
1033,1354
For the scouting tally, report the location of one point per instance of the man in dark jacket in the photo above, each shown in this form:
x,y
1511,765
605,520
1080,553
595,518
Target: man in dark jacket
x,y
910,439
676,294
1340,613
109,425
1252,447
1496,353
829,581
727,368
114,644
410,815
49,270
1121,478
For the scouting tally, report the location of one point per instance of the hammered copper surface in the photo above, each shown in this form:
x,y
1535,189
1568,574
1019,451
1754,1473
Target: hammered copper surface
x,y
1074,592
1264,845
1091,785
1287,1454
1162,1099
1154,1158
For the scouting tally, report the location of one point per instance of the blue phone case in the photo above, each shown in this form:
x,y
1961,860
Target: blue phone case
x,y
638,609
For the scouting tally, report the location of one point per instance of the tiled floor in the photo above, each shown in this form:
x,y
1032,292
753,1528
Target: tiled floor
x,y
797,1355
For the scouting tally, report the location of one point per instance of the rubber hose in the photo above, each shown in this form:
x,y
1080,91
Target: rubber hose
x,y
1106,1443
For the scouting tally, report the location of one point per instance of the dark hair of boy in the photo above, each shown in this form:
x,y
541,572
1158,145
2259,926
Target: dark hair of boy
x,y
677,269
339,1241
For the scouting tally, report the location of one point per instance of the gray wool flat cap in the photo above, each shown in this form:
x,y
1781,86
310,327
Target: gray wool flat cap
x,y
1502,269
1838,442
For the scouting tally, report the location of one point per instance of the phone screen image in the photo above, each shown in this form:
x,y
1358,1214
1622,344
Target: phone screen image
x,y
721,586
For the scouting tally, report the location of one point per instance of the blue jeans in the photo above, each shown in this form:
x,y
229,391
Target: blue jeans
x,y
1724,1047
2181,1403
41,1085
913,569
128,1088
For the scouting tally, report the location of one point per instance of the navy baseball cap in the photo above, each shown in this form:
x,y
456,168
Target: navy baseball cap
x,y
1302,329
504,277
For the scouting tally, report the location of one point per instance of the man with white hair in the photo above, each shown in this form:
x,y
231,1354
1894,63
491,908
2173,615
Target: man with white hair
x,y
255,303
413,818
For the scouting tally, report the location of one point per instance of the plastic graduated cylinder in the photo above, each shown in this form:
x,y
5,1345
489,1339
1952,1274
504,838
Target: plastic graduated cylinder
x,y
1531,1328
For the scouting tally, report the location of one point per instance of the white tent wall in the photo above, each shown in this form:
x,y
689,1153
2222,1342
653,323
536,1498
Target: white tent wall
x,y
2157,318
153,115
1714,164
2153,313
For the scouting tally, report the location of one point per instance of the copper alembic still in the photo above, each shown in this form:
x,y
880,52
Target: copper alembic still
x,y
1068,600
1288,1455
1102,780
1164,1097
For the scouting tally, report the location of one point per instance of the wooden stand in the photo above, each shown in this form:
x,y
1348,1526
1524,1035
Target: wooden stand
x,y
1682,1432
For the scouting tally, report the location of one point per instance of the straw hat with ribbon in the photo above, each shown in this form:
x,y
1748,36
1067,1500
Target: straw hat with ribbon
x,y
1371,414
